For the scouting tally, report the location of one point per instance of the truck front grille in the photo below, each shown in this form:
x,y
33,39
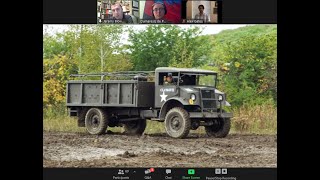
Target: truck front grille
x,y
208,99
207,94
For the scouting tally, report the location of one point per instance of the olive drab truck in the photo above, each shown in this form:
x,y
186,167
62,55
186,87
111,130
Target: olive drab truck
x,y
128,99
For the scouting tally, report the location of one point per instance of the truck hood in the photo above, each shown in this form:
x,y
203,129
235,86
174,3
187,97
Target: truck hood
x,y
197,88
194,89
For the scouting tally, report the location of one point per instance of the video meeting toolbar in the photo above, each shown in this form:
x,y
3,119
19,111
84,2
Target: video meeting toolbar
x,y
155,173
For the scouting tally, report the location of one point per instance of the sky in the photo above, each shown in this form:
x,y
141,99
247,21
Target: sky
x,y
208,29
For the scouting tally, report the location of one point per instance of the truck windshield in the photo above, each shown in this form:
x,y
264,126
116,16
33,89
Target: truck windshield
x,y
207,80
187,79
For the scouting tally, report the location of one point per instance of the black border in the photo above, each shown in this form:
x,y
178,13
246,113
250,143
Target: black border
x,y
23,108
69,11
220,5
33,97
249,11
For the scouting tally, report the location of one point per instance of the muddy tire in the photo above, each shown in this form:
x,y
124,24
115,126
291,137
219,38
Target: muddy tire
x,y
96,121
220,129
177,123
82,117
135,127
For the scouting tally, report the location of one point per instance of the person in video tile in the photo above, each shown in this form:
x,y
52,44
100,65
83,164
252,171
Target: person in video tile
x,y
170,14
159,10
202,15
117,14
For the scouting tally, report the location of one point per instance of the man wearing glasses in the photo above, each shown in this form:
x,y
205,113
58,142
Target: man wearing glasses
x,y
159,10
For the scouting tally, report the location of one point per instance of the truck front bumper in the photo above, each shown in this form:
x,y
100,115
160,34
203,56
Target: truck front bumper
x,y
205,115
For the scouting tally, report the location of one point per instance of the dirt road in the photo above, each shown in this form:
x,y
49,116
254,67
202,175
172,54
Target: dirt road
x,y
158,150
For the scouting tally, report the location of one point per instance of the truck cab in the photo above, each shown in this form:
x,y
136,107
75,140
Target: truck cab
x,y
193,94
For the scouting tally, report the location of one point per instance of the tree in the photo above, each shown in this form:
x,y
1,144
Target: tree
x,y
53,45
191,49
98,46
80,49
248,65
151,48
56,72
167,45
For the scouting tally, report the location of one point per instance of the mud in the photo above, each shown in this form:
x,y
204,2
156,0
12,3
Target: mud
x,y
158,150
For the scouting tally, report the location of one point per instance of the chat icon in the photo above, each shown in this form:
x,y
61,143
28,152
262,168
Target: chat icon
x,y
168,171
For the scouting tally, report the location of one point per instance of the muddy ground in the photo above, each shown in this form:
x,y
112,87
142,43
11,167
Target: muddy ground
x,y
158,150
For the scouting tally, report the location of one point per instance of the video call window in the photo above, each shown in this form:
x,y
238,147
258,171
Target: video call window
x,y
160,11
157,12
201,12
118,11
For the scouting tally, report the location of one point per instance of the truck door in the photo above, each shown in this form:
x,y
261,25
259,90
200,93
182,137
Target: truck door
x,y
164,90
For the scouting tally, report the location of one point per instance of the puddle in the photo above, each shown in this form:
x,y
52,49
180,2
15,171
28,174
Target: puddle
x,y
68,153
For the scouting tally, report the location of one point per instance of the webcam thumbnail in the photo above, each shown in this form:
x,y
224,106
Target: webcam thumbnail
x,y
201,12
160,11
118,11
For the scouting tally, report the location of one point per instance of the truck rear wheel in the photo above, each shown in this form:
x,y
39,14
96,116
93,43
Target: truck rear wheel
x,y
96,121
135,127
82,117
177,123
220,129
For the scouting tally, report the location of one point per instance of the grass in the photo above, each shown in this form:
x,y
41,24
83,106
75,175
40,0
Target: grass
x,y
255,119
247,120
69,124
61,123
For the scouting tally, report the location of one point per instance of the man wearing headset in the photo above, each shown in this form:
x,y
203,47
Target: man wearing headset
x,y
159,10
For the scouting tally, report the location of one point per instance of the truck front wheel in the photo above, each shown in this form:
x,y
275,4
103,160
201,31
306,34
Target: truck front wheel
x,y
135,127
96,121
177,123
220,129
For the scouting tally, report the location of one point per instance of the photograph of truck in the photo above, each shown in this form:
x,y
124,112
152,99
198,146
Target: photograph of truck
x,y
160,95
184,105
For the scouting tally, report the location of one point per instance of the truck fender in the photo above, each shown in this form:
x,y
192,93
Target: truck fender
x,y
170,103
227,104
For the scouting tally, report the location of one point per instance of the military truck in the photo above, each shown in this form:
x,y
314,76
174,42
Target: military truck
x,y
128,99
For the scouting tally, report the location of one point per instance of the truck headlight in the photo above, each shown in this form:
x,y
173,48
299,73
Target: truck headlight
x,y
220,97
193,97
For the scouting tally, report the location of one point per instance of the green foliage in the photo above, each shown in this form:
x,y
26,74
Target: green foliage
x,y
150,47
56,72
260,119
245,58
97,46
248,64
233,35
81,49
57,111
167,45
53,46
190,49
